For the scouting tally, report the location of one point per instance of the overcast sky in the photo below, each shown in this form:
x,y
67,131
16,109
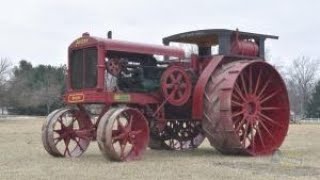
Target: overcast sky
x,y
41,30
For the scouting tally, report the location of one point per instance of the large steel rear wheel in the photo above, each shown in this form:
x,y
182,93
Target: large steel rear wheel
x,y
246,108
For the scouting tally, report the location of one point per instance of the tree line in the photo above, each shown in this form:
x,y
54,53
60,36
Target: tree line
x,y
31,90
37,90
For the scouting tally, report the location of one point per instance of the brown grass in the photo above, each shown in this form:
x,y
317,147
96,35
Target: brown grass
x,y
23,157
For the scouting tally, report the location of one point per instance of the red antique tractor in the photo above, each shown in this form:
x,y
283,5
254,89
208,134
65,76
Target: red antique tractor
x,y
129,96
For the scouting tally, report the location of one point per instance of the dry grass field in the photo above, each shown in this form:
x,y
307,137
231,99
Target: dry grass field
x,y
23,157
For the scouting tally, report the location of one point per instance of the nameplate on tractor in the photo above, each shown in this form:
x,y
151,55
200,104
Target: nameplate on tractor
x,y
75,98
121,97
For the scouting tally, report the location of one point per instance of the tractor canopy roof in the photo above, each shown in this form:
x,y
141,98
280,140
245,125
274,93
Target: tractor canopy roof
x,y
116,45
211,36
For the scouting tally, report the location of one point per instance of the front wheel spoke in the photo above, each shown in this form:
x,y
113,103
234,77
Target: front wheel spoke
x,y
57,140
121,136
59,131
116,133
72,122
66,142
120,125
129,124
61,123
78,143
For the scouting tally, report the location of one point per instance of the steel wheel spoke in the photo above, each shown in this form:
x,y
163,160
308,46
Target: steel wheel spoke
x,y
120,125
129,125
57,139
116,133
238,113
250,79
264,88
239,92
243,120
78,143
72,122
257,83
271,108
243,84
66,142
267,130
260,137
236,97
269,119
236,103
270,96
59,131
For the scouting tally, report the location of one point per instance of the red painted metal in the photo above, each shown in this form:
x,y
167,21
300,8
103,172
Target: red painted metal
x,y
240,105
197,103
176,85
126,46
247,106
67,132
244,48
123,134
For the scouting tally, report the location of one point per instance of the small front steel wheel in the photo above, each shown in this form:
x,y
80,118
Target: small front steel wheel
x,y
123,134
66,133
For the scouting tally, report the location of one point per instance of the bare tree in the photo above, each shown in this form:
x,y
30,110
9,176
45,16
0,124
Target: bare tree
x,y
302,75
5,67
